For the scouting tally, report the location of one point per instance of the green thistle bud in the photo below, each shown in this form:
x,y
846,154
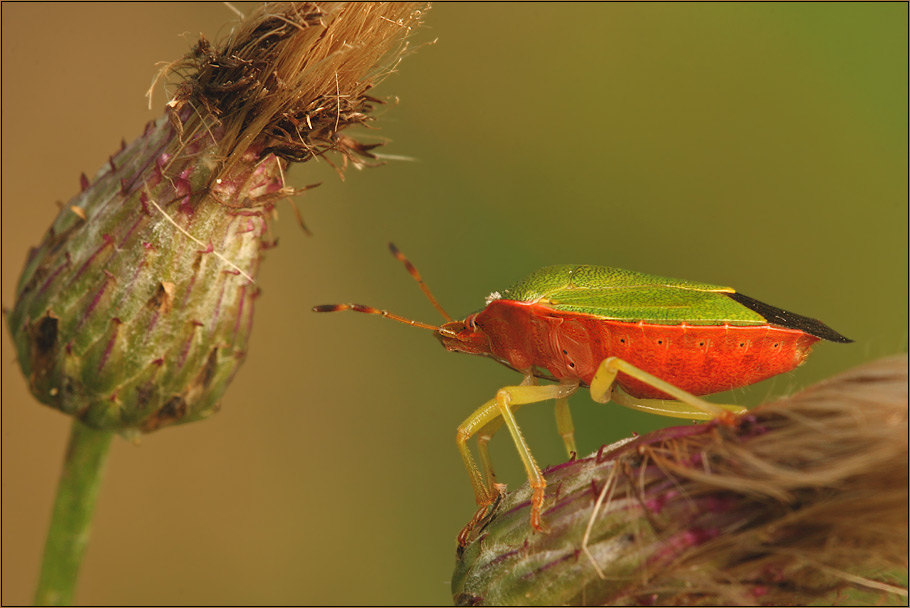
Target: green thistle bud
x,y
135,310
803,499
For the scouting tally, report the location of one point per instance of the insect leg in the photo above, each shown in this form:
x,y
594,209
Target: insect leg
x,y
483,438
486,433
565,426
476,422
484,422
674,409
498,411
510,398
686,405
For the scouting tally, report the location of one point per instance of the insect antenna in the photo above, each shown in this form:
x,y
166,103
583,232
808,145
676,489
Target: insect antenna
x,y
382,313
416,275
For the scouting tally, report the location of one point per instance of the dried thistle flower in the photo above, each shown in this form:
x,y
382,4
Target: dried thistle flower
x,y
135,310
805,499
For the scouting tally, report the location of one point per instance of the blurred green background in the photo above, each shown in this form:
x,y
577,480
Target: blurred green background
x,y
758,145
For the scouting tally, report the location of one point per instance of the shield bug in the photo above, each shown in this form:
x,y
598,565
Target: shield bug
x,y
646,342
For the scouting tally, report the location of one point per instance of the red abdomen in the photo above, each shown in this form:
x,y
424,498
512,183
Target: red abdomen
x,y
700,359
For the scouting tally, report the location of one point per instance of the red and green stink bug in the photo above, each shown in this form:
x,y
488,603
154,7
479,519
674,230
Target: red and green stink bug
x,y
646,342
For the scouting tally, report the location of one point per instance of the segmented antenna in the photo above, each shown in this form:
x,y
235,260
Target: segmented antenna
x,y
384,313
374,311
423,286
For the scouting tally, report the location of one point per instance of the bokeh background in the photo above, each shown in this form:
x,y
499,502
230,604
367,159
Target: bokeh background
x,y
758,145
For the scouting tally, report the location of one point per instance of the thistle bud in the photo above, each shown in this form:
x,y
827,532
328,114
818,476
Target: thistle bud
x,y
801,500
135,310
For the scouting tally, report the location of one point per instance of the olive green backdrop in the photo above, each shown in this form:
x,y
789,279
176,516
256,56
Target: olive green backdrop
x,y
758,145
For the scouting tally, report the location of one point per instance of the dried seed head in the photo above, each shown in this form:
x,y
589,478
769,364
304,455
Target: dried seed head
x,y
135,310
292,76
805,499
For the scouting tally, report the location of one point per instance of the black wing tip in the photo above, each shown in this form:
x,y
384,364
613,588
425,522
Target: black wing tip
x,y
790,320
833,336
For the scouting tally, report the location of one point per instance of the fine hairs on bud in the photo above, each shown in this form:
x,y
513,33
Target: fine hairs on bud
x,y
803,500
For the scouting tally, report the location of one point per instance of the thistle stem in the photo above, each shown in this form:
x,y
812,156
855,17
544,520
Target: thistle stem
x,y
67,537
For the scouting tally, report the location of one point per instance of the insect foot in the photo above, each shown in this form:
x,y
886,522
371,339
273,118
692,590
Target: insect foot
x,y
632,522
482,513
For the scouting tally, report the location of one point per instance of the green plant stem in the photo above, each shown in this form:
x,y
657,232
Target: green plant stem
x,y
67,537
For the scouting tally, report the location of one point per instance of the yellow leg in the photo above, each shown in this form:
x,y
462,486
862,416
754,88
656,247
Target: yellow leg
x,y
512,397
486,433
481,417
487,419
565,426
483,438
687,405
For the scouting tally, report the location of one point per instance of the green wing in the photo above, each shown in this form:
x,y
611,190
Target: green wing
x,y
624,295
